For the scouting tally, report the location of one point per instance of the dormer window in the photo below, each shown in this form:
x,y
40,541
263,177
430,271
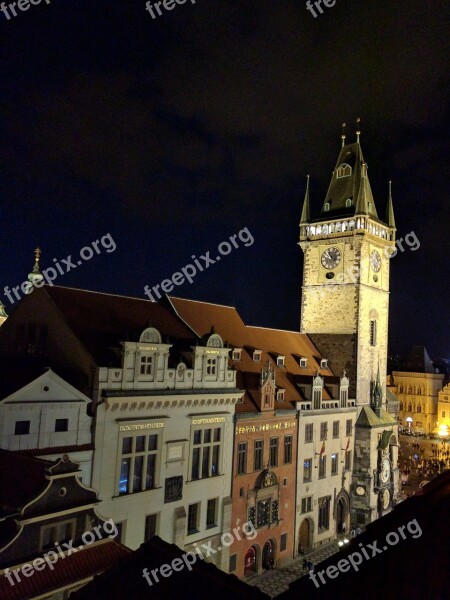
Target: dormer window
x,y
348,202
324,363
344,170
236,354
303,363
280,395
280,361
147,363
257,355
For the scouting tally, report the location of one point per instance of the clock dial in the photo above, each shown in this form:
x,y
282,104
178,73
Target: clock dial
x,y
360,490
375,261
385,471
385,499
331,258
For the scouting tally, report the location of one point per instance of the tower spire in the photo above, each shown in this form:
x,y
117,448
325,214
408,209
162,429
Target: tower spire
x,y
35,276
343,136
390,219
305,210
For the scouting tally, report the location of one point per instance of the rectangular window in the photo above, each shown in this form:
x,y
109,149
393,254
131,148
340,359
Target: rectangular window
x,y
303,363
138,463
242,458
120,537
280,361
334,464
348,460
211,513
146,365
274,452
263,512
443,414
151,523
307,470
322,466
283,542
324,513
287,449
22,428
62,425
59,532
309,428
348,427
323,431
258,455
192,521
233,563
335,429
236,354
206,453
211,366
252,515
373,333
307,504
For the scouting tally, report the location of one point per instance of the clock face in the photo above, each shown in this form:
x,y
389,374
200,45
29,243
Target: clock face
x,y
385,471
375,261
360,490
385,499
331,258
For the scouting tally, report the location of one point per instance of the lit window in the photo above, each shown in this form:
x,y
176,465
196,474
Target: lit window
x,y
138,463
206,453
326,206
334,464
348,202
307,470
60,532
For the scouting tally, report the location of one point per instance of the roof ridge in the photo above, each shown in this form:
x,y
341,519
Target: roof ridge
x,y
202,302
64,287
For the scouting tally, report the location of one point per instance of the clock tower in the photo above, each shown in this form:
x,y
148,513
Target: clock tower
x,y
344,310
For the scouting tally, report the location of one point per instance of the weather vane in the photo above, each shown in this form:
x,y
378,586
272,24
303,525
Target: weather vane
x,y
358,128
37,254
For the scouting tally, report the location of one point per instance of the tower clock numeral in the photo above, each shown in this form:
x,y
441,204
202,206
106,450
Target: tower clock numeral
x,y
375,261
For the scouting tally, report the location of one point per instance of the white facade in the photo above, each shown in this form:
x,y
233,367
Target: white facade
x,y
325,462
164,443
48,413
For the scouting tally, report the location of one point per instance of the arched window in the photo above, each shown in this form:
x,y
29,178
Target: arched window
x,y
327,206
344,226
344,170
348,202
319,229
338,227
419,408
401,406
351,225
325,229
410,390
419,391
401,389
332,228
410,407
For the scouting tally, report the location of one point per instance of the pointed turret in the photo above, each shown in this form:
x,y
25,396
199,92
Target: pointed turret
x,y
390,219
305,218
349,193
35,277
3,315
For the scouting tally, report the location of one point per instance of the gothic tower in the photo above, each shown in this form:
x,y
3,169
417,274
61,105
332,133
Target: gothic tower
x,y
344,309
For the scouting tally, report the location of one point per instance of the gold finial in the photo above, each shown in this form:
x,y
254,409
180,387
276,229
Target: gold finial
x,y
358,128
343,136
37,254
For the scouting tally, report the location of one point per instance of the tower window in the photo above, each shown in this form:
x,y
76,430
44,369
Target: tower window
x,y
327,206
373,333
344,170
348,202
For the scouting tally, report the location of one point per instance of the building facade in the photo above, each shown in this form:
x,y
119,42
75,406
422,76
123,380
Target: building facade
x,y
164,442
443,422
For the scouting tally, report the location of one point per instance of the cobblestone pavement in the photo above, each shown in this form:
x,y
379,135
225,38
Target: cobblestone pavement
x,y
276,581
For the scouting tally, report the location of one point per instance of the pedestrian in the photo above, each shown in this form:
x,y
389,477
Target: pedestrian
x,y
358,530
344,528
352,533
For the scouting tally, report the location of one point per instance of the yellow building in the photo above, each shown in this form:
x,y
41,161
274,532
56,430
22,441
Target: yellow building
x,y
417,388
443,414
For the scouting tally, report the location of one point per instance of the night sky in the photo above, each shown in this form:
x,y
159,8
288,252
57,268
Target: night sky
x,y
172,134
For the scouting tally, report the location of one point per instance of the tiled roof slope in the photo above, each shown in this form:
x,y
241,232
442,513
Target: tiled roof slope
x,y
85,563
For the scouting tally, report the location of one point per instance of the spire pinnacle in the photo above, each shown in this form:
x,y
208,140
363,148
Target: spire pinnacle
x,y
358,129
343,136
305,211
390,219
35,276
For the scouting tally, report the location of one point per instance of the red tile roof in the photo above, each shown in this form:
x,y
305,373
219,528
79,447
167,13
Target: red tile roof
x,y
87,562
